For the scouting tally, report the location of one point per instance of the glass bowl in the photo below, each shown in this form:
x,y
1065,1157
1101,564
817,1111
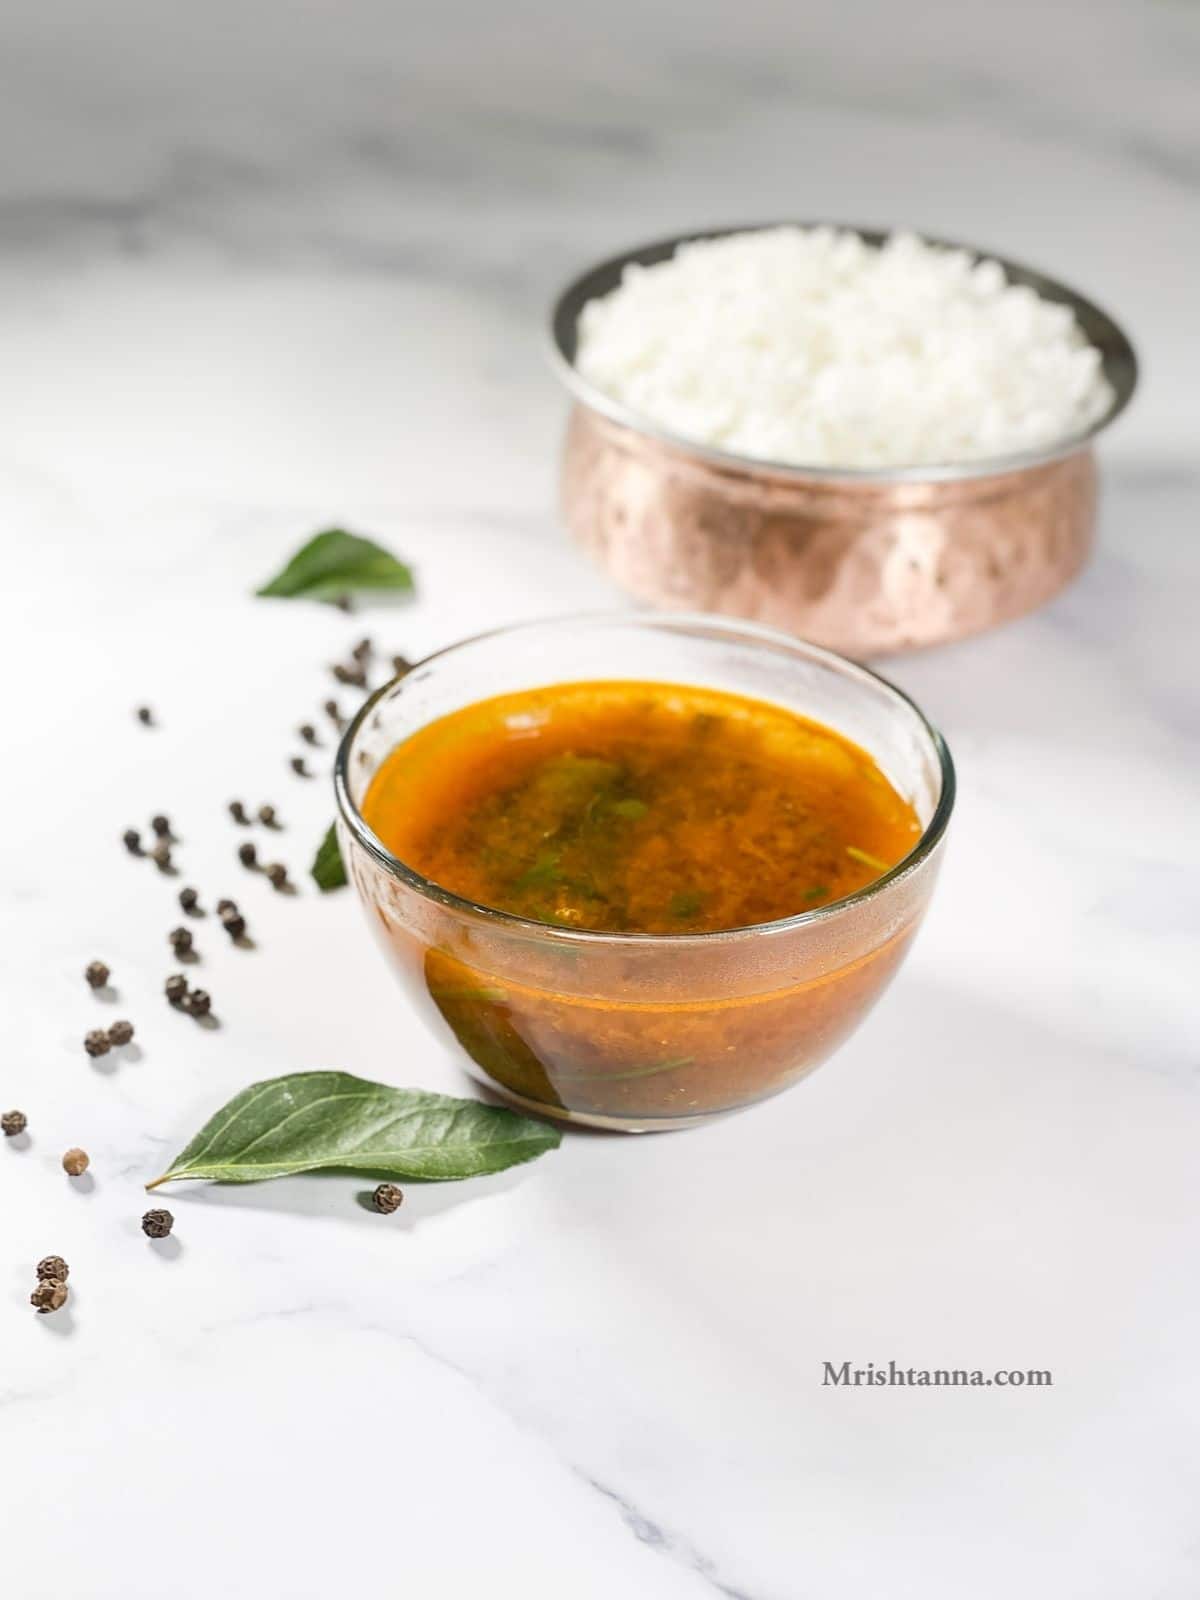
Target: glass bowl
x,y
645,1031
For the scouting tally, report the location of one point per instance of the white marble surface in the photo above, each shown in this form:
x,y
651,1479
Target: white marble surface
x,y
263,267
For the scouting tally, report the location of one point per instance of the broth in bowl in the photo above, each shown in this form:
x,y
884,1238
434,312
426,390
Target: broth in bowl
x,y
626,807
641,901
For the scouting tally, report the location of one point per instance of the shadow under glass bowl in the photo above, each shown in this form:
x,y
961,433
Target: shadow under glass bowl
x,y
865,561
644,1031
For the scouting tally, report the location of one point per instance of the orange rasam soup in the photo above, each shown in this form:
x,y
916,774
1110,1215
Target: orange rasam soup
x,y
638,808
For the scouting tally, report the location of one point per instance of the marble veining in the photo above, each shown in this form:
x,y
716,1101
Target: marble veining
x,y
267,268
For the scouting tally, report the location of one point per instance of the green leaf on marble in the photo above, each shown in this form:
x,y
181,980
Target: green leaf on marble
x,y
328,869
331,1121
335,565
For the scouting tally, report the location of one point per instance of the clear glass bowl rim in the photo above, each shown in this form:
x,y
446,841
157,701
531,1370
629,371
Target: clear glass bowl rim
x,y
683,622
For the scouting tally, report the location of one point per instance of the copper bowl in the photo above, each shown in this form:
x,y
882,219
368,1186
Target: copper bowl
x,y
862,561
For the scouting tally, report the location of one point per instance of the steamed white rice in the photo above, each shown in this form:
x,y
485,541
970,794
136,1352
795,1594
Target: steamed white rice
x,y
810,346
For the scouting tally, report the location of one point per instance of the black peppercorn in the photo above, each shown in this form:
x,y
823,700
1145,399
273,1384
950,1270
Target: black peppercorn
x,y
387,1198
96,974
238,812
157,1224
226,908
161,826
12,1123
247,854
308,733
50,1295
199,1003
53,1267
97,1043
362,651
189,900
278,874
132,841
75,1164
333,712
298,766
234,925
145,716
161,856
401,665
176,989
353,676
180,940
121,1033
266,815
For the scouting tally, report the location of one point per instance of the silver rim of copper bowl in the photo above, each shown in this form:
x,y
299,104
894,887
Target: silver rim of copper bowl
x,y
1117,355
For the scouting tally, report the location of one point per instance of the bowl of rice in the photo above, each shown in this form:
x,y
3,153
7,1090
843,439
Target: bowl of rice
x,y
873,440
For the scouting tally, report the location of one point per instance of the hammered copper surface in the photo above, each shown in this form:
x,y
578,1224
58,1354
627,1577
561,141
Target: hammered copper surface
x,y
861,567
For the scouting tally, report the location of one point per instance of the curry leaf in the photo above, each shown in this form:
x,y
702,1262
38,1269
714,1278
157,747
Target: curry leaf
x,y
313,1121
544,873
336,564
328,869
631,809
